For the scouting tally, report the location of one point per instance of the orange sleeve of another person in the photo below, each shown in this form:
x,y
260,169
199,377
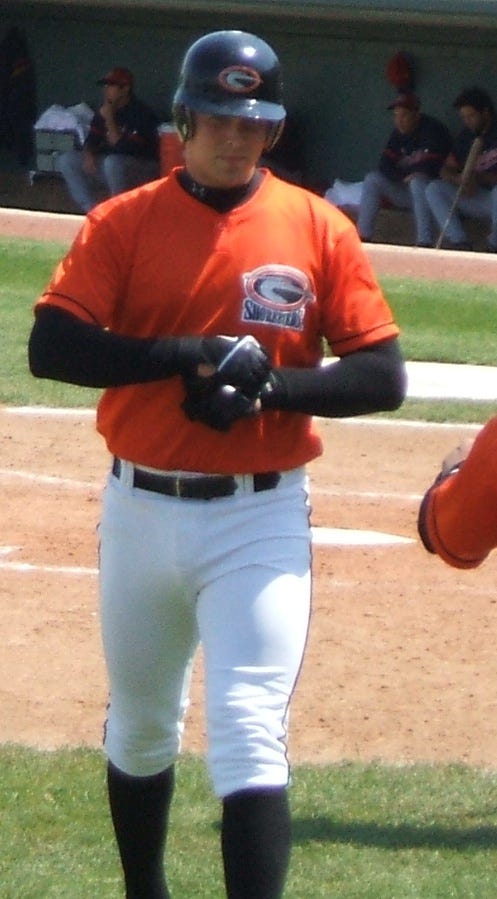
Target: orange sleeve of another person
x,y
458,516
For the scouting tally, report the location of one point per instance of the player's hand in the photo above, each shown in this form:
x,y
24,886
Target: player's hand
x,y
219,407
108,110
239,361
89,162
456,457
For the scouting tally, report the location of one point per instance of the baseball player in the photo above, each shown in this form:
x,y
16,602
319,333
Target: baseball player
x,y
457,518
478,197
411,158
200,303
121,150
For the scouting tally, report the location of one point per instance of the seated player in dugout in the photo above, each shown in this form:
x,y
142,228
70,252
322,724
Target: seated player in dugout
x,y
122,148
410,160
458,194
200,303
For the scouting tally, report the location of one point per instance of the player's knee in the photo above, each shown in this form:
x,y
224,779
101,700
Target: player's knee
x,y
141,748
116,174
70,163
372,181
372,189
418,184
433,190
247,771
114,164
247,745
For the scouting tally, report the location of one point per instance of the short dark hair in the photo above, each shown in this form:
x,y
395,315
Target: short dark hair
x,y
475,97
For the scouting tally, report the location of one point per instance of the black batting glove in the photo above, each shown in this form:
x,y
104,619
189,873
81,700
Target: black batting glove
x,y
239,361
218,408
246,366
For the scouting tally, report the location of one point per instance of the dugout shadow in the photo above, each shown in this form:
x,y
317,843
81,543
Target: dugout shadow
x,y
400,836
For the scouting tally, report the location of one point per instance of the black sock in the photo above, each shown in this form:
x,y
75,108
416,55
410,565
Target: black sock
x,y
256,842
140,810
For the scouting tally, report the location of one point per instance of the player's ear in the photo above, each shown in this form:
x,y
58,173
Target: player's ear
x,y
184,119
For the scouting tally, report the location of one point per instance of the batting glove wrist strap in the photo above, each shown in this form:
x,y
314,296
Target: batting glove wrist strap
x,y
274,391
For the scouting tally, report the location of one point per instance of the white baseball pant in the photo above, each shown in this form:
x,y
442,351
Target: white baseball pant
x,y
232,573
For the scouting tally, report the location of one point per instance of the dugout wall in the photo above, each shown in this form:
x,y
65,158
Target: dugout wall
x,y
334,58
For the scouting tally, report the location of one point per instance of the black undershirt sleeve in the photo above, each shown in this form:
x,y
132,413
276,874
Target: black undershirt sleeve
x,y
370,380
62,347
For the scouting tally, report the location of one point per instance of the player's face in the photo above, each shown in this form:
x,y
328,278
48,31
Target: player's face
x,y
405,119
224,150
115,95
473,119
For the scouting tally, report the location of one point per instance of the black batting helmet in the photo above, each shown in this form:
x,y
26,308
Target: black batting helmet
x,y
230,73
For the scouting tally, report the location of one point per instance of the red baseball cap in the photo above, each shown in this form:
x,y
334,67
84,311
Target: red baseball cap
x,y
408,101
119,76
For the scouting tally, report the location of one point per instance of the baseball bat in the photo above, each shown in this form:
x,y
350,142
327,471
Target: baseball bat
x,y
474,152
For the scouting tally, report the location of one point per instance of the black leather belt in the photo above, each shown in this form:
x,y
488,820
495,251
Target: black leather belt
x,y
206,487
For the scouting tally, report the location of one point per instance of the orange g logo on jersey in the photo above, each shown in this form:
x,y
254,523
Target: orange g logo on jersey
x,y
239,79
276,295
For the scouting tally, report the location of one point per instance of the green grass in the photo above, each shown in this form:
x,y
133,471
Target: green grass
x,y
444,322
467,411
375,831
25,270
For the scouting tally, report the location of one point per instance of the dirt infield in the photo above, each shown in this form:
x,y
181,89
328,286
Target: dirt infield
x,y
401,662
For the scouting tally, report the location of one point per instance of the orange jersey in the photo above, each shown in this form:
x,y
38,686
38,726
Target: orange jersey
x,y
286,266
460,516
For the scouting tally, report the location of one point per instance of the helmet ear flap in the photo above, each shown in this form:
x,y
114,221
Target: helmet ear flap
x,y
184,120
274,133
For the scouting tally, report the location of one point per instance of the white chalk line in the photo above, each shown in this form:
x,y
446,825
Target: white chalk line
x,y
407,423
365,494
352,537
49,480
57,412
49,411
29,568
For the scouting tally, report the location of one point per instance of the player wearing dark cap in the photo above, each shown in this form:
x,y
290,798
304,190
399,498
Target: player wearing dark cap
x,y
122,148
412,157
